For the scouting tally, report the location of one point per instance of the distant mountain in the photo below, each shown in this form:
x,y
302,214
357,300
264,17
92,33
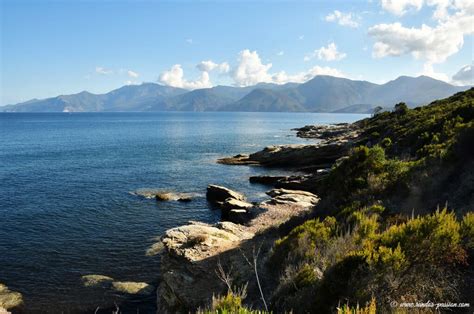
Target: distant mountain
x,y
321,94
126,98
262,99
358,108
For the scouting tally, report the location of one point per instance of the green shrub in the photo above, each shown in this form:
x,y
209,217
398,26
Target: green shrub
x,y
467,230
305,242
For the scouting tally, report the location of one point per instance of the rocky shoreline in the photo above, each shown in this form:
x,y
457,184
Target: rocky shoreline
x,y
191,254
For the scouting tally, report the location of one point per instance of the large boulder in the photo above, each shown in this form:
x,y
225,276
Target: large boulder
x,y
218,194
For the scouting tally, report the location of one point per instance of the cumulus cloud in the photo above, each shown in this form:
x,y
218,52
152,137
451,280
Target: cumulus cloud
x,y
465,76
132,74
400,7
329,53
209,66
175,77
344,19
103,71
282,77
431,44
250,69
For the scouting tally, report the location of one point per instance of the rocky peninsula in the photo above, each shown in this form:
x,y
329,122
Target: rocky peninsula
x,y
193,254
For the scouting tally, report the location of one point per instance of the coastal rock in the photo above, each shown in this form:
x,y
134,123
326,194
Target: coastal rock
x,y
161,195
232,203
130,287
268,180
9,299
97,281
292,197
293,156
239,216
218,194
329,133
198,241
192,253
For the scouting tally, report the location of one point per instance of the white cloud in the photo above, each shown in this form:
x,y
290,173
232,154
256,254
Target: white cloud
x,y
329,53
344,19
175,77
280,53
400,7
465,76
431,44
130,82
132,74
300,37
282,77
428,70
103,71
189,40
209,66
250,69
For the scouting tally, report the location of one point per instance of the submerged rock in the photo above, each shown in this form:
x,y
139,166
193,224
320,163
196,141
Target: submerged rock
x,y
130,287
9,299
161,195
97,281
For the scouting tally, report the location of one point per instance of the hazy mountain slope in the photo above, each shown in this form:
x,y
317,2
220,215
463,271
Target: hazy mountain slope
x,y
139,97
126,98
358,108
262,99
328,93
414,91
197,100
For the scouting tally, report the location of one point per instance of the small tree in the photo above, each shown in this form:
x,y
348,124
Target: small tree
x,y
401,108
377,110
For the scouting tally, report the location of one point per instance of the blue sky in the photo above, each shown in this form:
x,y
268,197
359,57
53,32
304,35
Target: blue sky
x,y
50,48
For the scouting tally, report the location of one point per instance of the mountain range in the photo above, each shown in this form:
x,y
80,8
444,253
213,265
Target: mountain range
x,y
320,94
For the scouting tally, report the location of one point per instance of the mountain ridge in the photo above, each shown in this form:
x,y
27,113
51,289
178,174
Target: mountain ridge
x,y
323,93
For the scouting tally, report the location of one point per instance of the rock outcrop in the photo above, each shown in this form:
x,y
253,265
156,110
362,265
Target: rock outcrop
x,y
124,287
292,156
306,182
233,204
191,253
218,194
292,197
9,299
330,133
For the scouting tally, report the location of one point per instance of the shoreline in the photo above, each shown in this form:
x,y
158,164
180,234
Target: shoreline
x,y
190,254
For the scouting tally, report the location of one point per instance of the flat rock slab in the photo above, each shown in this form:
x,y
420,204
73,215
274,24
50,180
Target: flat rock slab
x,y
9,299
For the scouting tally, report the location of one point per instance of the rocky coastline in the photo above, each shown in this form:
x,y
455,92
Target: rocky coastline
x,y
192,254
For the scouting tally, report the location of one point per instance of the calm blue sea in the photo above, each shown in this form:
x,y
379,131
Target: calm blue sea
x,y
65,206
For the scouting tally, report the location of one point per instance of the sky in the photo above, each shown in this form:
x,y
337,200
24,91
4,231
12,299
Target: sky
x,y
51,48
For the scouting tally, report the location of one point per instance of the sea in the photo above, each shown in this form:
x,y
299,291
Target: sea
x,y
67,183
